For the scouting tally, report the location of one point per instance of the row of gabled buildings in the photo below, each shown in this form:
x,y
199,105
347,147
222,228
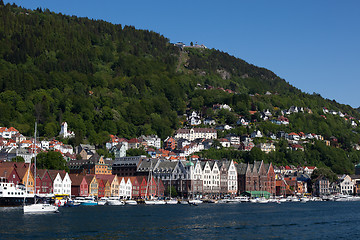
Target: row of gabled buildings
x,y
61,183
208,177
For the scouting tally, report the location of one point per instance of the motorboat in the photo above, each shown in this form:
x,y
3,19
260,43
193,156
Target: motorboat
x,y
89,201
195,201
159,202
71,203
304,199
131,202
102,201
115,201
40,208
242,198
262,200
172,201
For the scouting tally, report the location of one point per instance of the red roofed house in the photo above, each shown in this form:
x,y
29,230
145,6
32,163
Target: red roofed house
x,y
10,174
293,136
76,182
224,142
169,143
44,183
134,143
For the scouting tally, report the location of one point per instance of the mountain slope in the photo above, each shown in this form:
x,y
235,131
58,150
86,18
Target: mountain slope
x,y
103,78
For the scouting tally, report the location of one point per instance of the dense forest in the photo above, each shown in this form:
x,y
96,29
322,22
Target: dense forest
x,y
106,79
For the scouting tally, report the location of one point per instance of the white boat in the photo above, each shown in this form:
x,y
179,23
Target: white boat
x,y
149,202
253,200
40,208
233,200
79,200
223,201
102,201
159,202
13,195
172,201
304,199
115,201
184,202
195,201
37,207
242,198
262,200
131,202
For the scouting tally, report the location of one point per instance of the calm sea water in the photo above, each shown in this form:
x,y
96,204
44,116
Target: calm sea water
x,y
314,220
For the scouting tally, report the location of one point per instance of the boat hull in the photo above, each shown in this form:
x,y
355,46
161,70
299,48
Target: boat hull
x,y
15,201
40,208
89,203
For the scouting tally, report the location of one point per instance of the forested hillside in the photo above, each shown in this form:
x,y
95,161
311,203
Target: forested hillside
x,y
110,79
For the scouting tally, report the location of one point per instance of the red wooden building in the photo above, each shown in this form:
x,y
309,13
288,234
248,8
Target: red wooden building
x,y
101,187
44,183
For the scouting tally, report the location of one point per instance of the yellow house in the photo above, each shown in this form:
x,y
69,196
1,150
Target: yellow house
x,y
115,186
94,186
111,185
102,168
108,188
23,174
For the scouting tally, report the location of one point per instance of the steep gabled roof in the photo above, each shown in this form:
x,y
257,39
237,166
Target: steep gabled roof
x,y
76,179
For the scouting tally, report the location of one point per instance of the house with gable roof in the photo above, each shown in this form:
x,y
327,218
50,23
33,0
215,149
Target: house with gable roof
x,y
228,177
346,185
9,174
65,132
194,119
44,183
76,183
194,183
61,182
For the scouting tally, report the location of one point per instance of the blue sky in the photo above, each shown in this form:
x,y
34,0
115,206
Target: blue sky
x,y
313,45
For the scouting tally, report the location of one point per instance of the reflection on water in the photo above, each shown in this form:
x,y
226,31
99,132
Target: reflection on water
x,y
317,220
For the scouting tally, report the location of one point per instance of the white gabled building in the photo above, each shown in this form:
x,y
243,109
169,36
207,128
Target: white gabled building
x,y
62,184
346,185
211,177
125,188
232,178
194,119
64,132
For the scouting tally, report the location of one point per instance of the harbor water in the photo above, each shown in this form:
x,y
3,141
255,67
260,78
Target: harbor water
x,y
311,220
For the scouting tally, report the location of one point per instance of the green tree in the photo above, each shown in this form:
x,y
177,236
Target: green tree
x,y
51,160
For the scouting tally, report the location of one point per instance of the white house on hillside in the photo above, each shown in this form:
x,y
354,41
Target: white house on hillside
x,y
64,132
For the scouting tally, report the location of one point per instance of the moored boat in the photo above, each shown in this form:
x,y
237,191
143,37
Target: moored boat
x,y
89,201
131,202
12,195
115,201
172,201
102,201
195,201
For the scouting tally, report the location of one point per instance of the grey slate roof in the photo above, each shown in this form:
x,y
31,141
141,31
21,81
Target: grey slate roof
x,y
165,166
241,168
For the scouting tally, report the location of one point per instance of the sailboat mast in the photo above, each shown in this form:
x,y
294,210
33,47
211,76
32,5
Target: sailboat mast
x,y
149,176
35,158
170,182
